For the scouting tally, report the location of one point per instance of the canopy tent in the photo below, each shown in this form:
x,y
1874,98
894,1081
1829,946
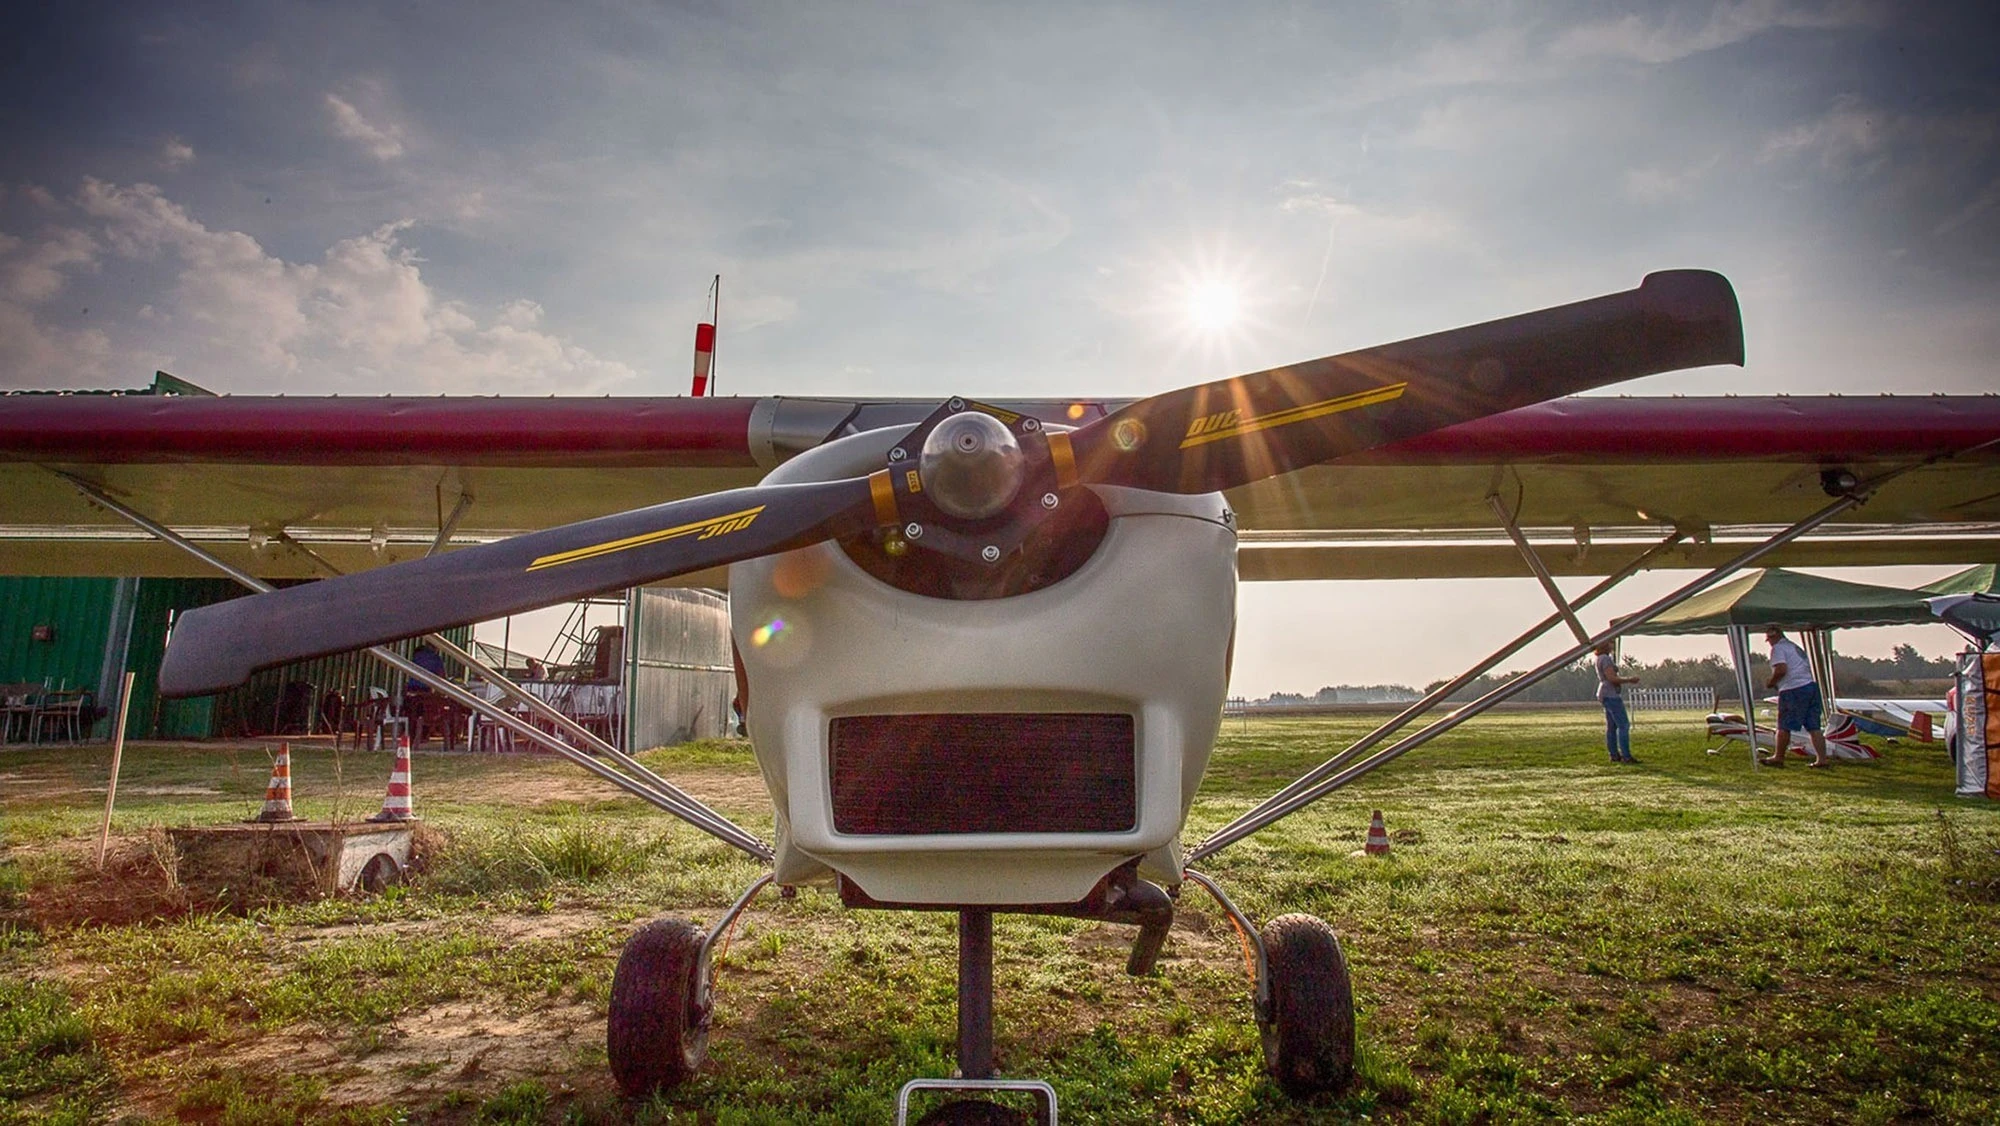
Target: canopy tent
x,y
1983,579
1977,616
1789,600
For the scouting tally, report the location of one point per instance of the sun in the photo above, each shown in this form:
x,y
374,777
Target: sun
x,y
1213,306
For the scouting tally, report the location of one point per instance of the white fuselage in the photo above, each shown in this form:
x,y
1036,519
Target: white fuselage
x,y
1142,628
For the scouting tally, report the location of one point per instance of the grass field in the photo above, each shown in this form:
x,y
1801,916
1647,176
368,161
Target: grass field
x,y
1554,937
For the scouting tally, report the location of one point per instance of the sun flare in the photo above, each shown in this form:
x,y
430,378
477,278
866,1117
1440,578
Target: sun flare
x,y
1213,306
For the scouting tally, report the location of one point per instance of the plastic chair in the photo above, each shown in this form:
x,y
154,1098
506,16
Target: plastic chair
x,y
18,704
63,711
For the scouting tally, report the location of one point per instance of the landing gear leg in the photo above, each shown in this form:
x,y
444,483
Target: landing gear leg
x,y
975,994
975,1043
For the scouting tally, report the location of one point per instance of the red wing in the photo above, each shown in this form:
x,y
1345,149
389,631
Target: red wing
x,y
334,472
1628,469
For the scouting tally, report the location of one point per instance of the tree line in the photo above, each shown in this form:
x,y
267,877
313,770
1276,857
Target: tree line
x,y
1904,672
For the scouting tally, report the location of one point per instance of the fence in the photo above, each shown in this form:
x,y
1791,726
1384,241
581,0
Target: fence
x,y
1672,699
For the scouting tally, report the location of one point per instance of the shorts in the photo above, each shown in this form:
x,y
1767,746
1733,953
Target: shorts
x,y
1798,708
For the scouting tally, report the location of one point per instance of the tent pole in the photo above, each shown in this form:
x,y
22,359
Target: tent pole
x,y
1739,656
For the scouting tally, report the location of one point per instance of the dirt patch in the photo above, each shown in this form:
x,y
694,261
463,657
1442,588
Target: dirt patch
x,y
139,881
728,790
416,1059
23,785
508,929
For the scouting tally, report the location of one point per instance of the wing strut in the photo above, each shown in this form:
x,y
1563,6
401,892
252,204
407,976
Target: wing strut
x,y
647,786
1318,784
1541,570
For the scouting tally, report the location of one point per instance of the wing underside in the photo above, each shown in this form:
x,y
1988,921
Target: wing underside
x,y
1592,481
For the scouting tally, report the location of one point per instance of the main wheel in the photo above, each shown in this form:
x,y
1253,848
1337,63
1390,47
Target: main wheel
x,y
1309,1038
657,1035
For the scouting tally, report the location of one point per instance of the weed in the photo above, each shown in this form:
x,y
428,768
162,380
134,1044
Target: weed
x,y
517,1104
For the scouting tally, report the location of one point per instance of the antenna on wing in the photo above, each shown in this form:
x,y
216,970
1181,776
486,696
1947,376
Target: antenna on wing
x,y
704,342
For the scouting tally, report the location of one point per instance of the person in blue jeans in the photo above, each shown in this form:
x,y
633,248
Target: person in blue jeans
x,y
1799,700
1611,693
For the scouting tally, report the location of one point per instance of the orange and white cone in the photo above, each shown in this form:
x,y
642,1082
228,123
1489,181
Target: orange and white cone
x,y
278,795
1378,836
396,803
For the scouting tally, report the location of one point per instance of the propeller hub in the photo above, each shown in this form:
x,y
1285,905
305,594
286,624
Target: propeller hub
x,y
972,465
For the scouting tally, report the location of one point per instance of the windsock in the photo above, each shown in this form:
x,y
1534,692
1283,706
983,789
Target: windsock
x,y
278,795
396,803
704,355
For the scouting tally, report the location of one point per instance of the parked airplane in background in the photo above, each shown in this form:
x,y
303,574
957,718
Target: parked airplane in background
x,y
986,645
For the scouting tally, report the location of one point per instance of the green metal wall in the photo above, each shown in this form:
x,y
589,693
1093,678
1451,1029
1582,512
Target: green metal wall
x,y
158,601
75,609
94,641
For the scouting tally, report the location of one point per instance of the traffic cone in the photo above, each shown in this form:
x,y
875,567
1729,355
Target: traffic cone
x,y
396,803
1378,837
278,795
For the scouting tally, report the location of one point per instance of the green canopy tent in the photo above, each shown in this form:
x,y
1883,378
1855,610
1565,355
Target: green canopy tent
x,y
1983,579
1808,604
1954,599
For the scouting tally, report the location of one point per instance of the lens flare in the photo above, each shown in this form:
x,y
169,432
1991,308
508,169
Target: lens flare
x,y
765,634
1128,434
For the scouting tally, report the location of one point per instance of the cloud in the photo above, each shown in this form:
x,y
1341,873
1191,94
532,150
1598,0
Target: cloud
x,y
233,316
1655,184
33,273
1352,223
1855,135
1497,55
1689,30
33,354
383,142
1851,134
175,153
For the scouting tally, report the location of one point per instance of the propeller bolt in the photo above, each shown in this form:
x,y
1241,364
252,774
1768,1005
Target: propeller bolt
x,y
990,553
956,404
913,531
898,453
1031,424
1049,500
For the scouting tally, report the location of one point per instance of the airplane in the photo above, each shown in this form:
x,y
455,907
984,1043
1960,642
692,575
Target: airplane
x,y
983,646
1894,718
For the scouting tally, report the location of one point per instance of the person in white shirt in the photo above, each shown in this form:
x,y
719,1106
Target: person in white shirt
x,y
1798,698
1611,694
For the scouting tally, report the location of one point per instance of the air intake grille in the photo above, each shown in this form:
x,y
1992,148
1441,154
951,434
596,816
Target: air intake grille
x,y
983,773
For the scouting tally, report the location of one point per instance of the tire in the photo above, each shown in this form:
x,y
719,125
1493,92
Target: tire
x,y
974,1112
1309,1039
655,1035
379,873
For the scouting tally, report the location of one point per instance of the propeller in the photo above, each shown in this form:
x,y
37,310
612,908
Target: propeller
x,y
1197,439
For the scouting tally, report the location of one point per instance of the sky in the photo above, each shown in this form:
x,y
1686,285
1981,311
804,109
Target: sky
x,y
999,200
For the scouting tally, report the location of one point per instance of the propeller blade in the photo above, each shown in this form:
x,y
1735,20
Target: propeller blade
x,y
218,647
1219,435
